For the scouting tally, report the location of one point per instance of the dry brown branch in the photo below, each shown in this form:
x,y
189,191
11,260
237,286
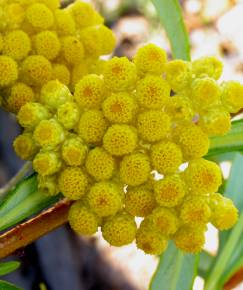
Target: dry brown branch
x,y
235,280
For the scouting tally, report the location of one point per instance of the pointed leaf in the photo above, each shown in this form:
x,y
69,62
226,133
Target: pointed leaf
x,y
4,285
8,267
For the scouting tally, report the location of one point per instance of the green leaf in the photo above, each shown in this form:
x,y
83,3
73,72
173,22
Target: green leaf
x,y
4,285
22,202
176,270
8,267
170,15
231,142
205,263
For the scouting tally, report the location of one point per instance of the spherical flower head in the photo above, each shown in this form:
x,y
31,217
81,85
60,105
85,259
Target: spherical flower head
x,y
152,92
165,220
178,74
79,71
203,176
120,139
193,141
195,210
82,220
104,198
207,66
16,44
84,14
61,73
224,213
25,146
49,133
150,240
232,96
31,114
54,94
74,151
150,59
139,201
119,74
166,157
73,182
205,93
119,230
73,49
37,70
179,107
64,22
92,126
15,14
47,44
89,92
190,239
100,164
135,169
119,108
39,16
19,95
170,191
107,40
8,71
216,122
47,163
48,184
68,115
153,125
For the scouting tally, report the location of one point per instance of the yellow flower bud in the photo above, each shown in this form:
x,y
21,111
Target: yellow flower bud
x,y
25,146
232,96
48,184
82,220
73,49
153,125
92,126
65,22
74,151
15,15
79,71
203,176
169,191
120,139
68,115
61,73
47,163
119,230
8,70
207,66
39,16
104,198
100,164
73,182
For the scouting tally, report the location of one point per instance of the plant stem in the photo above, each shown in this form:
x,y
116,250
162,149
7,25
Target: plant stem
x,y
235,280
27,232
14,180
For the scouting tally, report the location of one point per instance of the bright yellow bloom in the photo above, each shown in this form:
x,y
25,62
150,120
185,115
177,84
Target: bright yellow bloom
x,y
119,108
8,70
152,92
68,115
16,44
92,126
153,125
169,191
207,66
61,73
73,182
119,74
25,146
47,163
40,16
150,59
79,71
104,198
73,49
119,230
100,164
82,220
74,151
139,201
15,15
120,139
166,157
232,96
65,22
135,169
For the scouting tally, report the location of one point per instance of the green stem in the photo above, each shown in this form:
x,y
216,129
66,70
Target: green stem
x,y
217,271
178,265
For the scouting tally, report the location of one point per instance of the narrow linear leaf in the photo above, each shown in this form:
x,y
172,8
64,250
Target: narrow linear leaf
x,y
4,285
170,15
8,267
22,202
176,270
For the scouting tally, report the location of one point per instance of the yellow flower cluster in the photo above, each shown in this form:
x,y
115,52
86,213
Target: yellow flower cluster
x,y
40,42
129,143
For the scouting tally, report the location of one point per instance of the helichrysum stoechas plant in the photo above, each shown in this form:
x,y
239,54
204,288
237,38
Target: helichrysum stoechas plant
x,y
40,42
129,142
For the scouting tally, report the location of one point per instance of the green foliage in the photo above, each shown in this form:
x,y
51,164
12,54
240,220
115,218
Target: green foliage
x,y
22,202
170,15
4,285
8,267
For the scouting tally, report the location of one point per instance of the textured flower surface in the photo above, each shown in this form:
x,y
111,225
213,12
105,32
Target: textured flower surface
x,y
122,139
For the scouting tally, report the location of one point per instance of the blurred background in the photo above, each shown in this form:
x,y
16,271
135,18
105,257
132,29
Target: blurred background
x,y
64,261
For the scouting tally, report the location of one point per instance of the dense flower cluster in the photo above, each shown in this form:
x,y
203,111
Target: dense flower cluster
x,y
39,42
129,143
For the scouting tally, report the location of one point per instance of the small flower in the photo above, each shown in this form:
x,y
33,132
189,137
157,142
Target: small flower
x,y
39,16
207,66
72,49
74,151
47,163
8,71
